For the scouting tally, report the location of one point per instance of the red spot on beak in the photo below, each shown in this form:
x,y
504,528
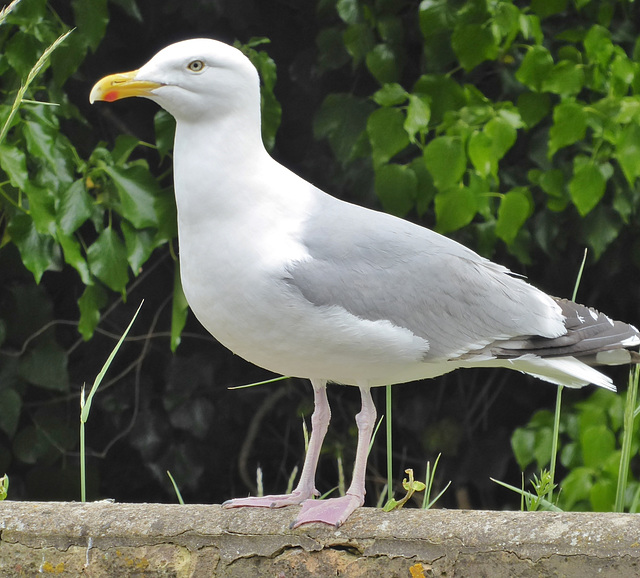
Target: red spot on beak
x,y
111,96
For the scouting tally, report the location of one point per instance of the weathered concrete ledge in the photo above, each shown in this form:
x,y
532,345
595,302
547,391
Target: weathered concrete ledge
x,y
107,539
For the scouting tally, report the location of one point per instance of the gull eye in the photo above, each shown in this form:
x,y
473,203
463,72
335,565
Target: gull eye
x,y
196,66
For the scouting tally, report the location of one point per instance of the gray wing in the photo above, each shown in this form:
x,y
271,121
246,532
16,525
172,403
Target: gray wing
x,y
379,267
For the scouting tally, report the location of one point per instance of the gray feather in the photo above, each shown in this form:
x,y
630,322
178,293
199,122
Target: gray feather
x,y
382,268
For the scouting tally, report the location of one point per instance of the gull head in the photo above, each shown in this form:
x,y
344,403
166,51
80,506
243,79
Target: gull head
x,y
192,80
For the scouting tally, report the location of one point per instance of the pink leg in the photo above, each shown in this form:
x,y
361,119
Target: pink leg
x,y
306,488
335,511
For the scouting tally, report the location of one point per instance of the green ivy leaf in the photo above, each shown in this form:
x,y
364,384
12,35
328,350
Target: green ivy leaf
x,y
14,162
123,147
473,44
138,190
623,73
455,208
73,256
566,78
74,207
332,53
167,218
269,105
598,45
107,258
515,208
42,209
446,161
502,134
628,152
597,444
396,187
271,118
179,309
536,66
391,94
507,20
425,191
92,300
522,444
91,20
418,115
434,17
391,29
382,62
45,365
530,28
56,428
387,135
552,183
342,120
165,129
139,244
66,59
569,126
45,143
359,40
22,51
587,186
603,496
542,446
480,151
443,92
533,107
30,445
10,407
39,252
349,11
602,227
544,8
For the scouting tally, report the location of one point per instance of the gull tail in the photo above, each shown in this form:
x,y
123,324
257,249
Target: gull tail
x,y
567,371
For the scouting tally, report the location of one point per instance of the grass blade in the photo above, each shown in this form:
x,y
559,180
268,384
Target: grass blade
x,y
85,407
33,73
175,488
389,444
556,418
265,382
548,505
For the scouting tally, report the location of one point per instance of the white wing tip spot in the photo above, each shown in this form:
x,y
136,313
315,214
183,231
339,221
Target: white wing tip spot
x,y
631,341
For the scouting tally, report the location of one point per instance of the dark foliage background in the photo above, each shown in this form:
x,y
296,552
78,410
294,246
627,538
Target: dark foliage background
x,y
163,411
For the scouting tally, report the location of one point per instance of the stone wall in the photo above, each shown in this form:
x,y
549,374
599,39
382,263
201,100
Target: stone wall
x,y
107,539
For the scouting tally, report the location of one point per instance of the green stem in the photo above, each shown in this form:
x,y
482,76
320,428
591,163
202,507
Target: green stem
x,y
554,442
556,419
389,445
83,479
625,454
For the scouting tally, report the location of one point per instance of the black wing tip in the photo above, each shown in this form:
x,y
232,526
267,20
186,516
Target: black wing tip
x,y
589,333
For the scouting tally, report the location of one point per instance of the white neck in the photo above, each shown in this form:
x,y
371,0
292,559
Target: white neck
x,y
215,182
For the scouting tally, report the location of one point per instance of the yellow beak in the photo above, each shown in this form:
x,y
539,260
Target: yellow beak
x,y
122,85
